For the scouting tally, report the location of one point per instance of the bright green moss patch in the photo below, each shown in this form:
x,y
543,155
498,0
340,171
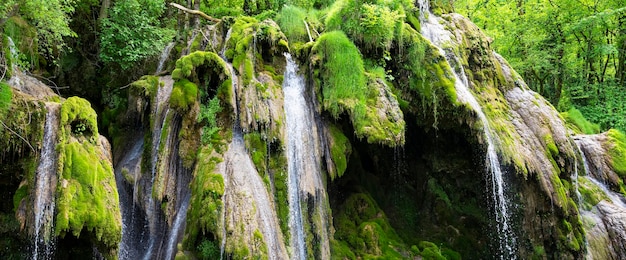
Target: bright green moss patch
x,y
184,94
87,196
5,99
345,88
342,73
77,117
340,150
617,151
590,193
146,86
576,121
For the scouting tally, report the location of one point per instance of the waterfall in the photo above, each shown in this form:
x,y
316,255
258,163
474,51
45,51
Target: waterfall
x,y
45,181
164,55
295,113
177,227
304,174
130,165
160,113
432,30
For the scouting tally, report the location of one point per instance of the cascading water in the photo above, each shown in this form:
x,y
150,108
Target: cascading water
x,y
46,181
304,175
164,55
129,164
432,30
295,111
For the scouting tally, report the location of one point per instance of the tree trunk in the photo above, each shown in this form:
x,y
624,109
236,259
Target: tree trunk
x,y
621,48
104,9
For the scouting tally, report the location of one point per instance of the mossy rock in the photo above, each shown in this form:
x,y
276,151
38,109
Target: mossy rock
x,y
87,198
617,152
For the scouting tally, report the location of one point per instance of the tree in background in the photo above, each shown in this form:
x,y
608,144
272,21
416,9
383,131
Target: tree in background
x,y
573,52
133,31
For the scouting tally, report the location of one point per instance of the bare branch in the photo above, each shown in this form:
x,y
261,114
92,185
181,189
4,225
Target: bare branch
x,y
24,139
196,12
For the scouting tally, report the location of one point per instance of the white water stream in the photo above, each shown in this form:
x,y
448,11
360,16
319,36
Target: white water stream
x,y
164,55
304,174
46,181
433,30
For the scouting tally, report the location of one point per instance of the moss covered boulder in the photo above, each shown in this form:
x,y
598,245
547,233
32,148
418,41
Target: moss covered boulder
x,y
87,203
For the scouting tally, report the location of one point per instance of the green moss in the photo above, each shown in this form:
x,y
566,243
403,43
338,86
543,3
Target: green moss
x,y
87,198
363,228
617,151
551,146
342,73
291,20
340,150
590,193
87,195
424,70
78,116
576,121
6,95
257,148
184,94
146,86
206,206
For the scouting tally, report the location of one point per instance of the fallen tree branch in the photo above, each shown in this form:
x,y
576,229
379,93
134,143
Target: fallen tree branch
x,y
196,12
307,30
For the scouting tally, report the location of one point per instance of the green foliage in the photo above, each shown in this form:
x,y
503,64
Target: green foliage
x,y
208,115
576,121
208,250
133,31
370,24
617,151
291,20
220,8
50,18
26,41
564,49
6,95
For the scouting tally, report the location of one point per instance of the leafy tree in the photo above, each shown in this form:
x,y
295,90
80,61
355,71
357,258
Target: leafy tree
x,y
51,18
133,31
573,52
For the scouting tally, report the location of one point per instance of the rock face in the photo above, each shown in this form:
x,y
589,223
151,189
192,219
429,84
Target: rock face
x,y
351,150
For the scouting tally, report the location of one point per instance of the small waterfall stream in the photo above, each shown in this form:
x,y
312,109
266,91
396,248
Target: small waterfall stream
x,y
164,55
432,30
46,181
304,174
